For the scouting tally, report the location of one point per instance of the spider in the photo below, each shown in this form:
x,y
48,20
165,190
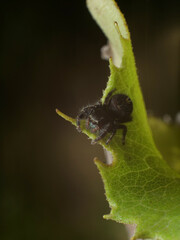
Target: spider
x,y
108,117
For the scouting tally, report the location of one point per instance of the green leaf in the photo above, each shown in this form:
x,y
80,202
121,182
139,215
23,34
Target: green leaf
x,y
140,187
167,139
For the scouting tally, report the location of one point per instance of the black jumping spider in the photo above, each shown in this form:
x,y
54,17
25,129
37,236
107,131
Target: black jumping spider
x,y
108,117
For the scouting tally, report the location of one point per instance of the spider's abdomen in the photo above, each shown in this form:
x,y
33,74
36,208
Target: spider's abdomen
x,y
121,106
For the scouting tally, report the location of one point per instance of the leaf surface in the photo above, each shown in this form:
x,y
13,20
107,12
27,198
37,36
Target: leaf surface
x,y
140,187
167,139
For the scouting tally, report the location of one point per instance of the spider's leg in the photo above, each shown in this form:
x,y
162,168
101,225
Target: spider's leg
x,y
102,134
107,99
111,136
78,121
124,128
87,123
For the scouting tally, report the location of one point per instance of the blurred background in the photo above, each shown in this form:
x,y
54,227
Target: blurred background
x,y
50,58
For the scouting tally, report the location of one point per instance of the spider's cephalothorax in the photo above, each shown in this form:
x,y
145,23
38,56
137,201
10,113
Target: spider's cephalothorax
x,y
108,117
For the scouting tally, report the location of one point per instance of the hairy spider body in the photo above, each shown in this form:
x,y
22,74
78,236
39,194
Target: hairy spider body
x,y
108,117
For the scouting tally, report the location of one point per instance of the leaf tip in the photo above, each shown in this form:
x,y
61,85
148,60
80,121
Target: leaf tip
x,y
107,216
100,164
69,119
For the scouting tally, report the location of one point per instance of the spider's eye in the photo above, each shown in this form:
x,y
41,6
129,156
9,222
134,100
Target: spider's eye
x,y
92,125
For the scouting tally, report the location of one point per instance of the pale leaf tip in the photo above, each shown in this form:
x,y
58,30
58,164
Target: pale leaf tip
x,y
69,119
107,217
100,165
97,162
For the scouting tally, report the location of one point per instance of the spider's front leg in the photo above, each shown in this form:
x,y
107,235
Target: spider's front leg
x,y
102,133
124,132
113,131
111,136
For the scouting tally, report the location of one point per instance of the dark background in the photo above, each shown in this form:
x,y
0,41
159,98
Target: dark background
x,y
50,58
